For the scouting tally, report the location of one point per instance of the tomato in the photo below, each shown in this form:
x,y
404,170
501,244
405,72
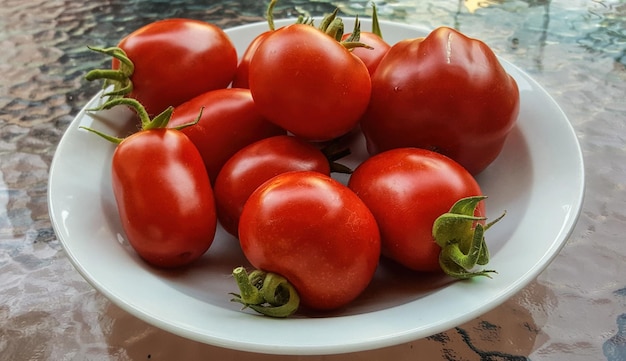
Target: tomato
x,y
308,83
445,92
407,189
173,61
230,121
240,80
251,166
163,194
316,233
372,56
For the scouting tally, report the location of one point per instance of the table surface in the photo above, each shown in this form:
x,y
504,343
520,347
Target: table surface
x,y
574,310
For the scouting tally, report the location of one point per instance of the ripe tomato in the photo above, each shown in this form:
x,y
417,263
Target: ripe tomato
x,y
445,92
315,232
407,189
230,121
370,57
163,194
164,197
240,79
308,83
174,60
251,166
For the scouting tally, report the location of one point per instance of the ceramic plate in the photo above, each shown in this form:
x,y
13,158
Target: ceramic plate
x,y
538,179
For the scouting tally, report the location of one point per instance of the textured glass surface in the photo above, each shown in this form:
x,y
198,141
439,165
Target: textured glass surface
x,y
576,49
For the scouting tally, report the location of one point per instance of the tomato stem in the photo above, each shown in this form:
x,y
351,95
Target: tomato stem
x,y
266,293
119,78
375,24
270,14
460,235
353,41
158,122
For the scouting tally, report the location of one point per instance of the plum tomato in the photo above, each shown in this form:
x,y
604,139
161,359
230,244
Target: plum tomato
x,y
256,163
306,82
170,61
316,233
163,194
373,54
407,189
230,121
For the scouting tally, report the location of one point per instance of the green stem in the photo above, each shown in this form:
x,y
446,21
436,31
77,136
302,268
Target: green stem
x,y
461,238
119,78
375,24
266,293
270,14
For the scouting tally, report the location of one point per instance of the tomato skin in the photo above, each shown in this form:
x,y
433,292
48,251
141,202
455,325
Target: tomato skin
x,y
176,60
370,57
407,189
230,120
253,165
164,197
316,233
306,82
445,92
240,80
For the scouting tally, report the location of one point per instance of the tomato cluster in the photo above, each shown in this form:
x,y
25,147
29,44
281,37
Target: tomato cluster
x,y
254,145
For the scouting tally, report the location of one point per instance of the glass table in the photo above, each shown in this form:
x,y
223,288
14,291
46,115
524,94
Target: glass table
x,y
574,310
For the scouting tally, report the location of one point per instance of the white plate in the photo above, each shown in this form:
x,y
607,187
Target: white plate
x,y
538,179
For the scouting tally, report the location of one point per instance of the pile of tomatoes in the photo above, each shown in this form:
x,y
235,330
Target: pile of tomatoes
x,y
252,143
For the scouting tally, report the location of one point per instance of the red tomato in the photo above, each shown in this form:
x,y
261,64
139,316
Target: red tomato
x,y
176,60
240,80
315,232
407,189
445,92
371,57
164,197
253,165
308,83
230,121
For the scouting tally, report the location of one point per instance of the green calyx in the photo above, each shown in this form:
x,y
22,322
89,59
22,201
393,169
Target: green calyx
x,y
147,123
118,78
375,23
333,26
266,293
460,234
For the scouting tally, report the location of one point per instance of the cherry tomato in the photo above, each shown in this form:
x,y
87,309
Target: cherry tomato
x,y
316,233
251,166
445,92
173,60
230,121
309,84
407,189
